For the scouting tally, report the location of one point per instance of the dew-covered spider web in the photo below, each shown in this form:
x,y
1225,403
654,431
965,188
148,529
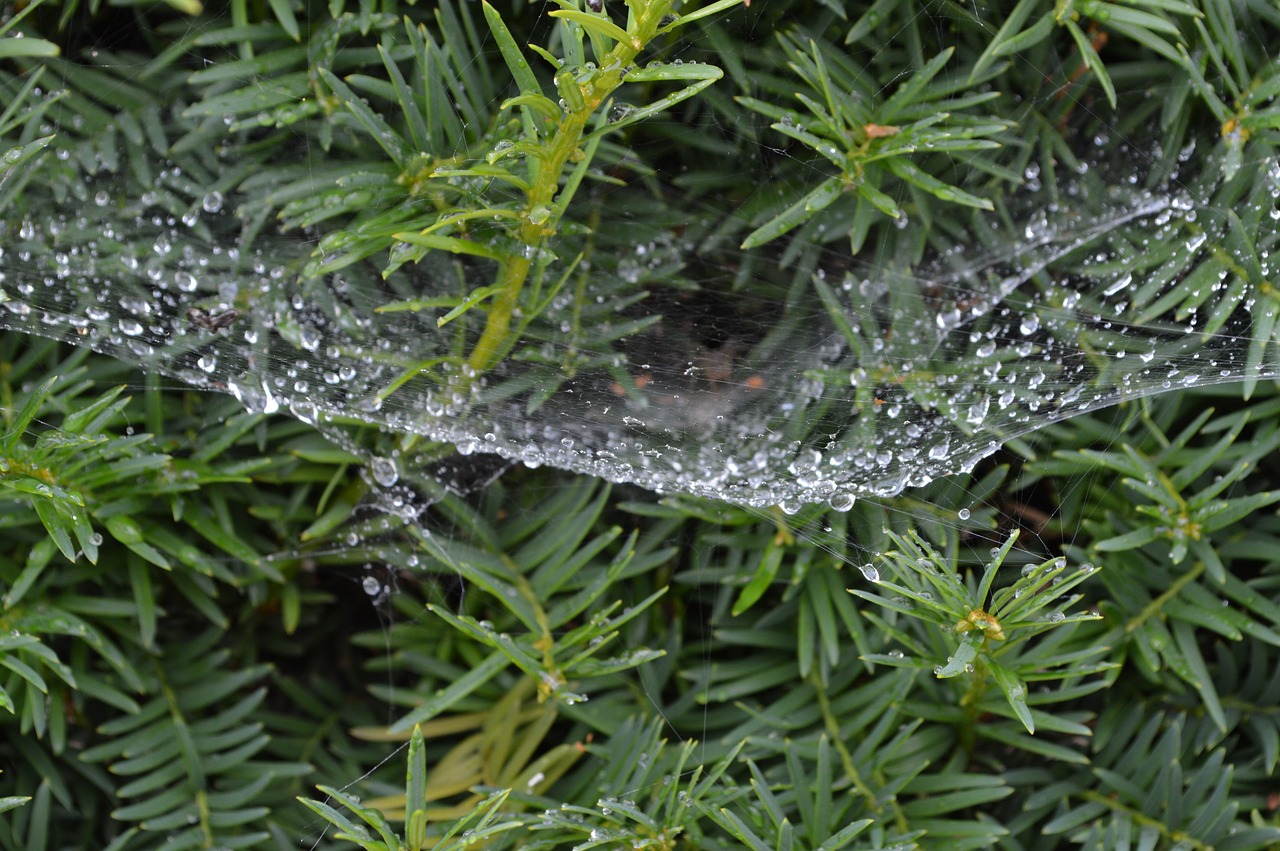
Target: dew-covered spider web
x,y
858,378
672,359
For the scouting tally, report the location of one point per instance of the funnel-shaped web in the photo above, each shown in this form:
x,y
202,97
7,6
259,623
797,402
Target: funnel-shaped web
x,y
856,377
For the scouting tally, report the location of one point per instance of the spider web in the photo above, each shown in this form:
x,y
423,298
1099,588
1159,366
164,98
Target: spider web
x,y
867,379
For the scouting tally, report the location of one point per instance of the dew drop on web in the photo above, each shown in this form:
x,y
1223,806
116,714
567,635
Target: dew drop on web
x,y
384,471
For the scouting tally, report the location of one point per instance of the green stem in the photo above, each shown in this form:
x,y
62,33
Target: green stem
x,y
971,703
1153,608
514,272
488,350
860,786
1140,818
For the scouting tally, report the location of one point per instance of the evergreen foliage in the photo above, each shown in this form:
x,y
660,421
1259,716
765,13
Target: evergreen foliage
x,y
190,655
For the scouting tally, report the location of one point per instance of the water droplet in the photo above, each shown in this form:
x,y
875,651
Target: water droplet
x,y
841,501
620,112
385,471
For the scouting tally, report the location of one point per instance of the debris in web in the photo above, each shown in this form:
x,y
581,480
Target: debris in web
x,y
857,378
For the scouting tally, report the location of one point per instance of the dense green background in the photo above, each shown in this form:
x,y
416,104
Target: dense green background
x,y
188,639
